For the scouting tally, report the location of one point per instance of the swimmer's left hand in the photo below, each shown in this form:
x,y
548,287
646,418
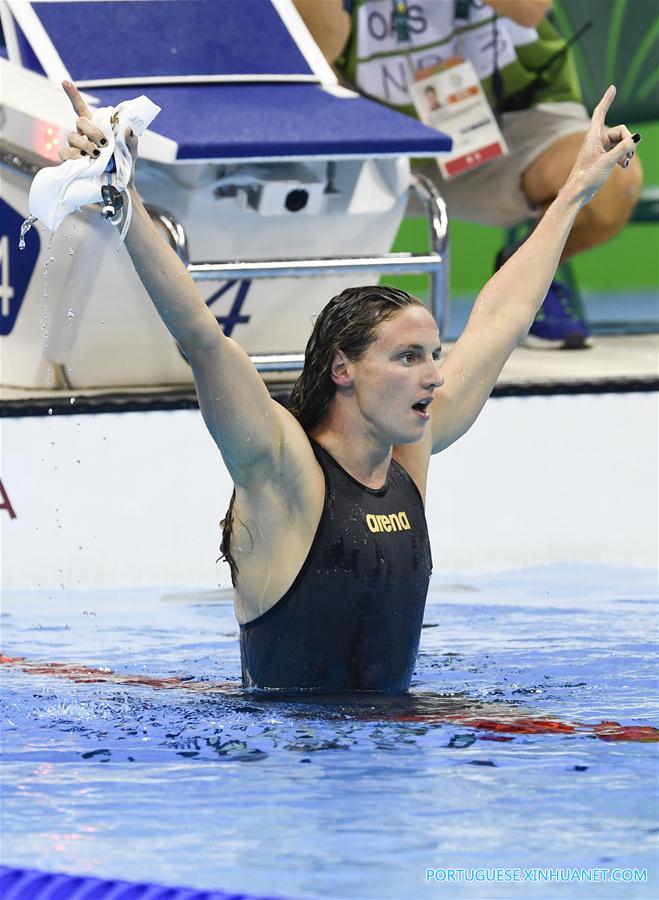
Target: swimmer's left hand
x,y
602,149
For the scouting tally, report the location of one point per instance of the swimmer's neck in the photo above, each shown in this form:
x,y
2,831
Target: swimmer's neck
x,y
361,455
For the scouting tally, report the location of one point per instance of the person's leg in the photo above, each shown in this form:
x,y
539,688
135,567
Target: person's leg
x,y
605,215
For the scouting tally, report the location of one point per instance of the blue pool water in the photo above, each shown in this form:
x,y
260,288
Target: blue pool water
x,y
338,798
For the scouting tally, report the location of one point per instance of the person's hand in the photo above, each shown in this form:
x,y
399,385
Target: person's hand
x,y
88,139
602,149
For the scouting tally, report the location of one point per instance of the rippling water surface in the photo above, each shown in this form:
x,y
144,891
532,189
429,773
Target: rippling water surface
x,y
497,758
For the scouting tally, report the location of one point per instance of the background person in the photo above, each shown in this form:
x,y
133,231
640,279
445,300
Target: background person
x,y
325,533
543,121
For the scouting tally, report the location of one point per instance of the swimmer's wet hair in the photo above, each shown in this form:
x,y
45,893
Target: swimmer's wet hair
x,y
226,525
347,323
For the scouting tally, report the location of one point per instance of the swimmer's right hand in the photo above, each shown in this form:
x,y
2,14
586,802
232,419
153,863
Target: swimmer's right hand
x,y
88,139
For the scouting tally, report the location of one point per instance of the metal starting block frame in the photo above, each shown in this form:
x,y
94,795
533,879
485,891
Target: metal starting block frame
x,y
434,263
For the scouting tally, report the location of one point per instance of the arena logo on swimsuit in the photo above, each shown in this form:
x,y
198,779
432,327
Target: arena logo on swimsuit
x,y
393,522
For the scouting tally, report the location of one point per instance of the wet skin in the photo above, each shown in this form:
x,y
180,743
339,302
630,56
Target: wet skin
x,y
397,371
372,413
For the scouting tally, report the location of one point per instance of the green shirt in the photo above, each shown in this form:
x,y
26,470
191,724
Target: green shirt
x,y
380,64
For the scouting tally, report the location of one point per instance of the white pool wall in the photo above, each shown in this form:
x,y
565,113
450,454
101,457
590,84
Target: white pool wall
x,y
135,499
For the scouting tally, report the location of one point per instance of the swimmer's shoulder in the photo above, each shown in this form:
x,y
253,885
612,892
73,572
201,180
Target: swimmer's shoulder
x,y
293,476
415,459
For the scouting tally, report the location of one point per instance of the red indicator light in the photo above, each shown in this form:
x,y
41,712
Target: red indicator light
x,y
47,140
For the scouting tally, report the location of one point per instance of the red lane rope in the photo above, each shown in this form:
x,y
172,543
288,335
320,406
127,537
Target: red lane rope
x,y
498,728
88,674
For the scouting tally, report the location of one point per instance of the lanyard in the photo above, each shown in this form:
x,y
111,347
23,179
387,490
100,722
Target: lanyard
x,y
461,8
402,29
399,21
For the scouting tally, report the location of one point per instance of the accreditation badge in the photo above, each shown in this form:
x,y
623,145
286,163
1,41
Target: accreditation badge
x,y
449,97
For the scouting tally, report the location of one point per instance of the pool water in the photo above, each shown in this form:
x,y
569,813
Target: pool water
x,y
497,758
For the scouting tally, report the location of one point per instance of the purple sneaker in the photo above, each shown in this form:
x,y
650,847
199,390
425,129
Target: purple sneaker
x,y
557,326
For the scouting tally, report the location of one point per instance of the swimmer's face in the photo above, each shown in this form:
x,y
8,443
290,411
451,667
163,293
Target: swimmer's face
x,y
398,371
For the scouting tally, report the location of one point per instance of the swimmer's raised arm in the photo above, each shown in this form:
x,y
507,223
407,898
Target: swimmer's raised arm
x,y
247,425
506,307
164,276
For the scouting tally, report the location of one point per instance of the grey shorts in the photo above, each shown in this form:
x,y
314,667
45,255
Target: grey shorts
x,y
492,194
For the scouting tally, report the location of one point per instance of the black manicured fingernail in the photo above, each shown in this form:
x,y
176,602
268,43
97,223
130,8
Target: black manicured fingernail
x,y
84,153
103,142
97,152
636,137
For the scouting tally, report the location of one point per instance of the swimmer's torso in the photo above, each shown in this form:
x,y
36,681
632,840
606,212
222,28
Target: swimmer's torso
x,y
352,618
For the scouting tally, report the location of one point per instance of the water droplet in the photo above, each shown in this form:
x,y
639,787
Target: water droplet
x,y
72,400
70,251
25,227
70,314
50,411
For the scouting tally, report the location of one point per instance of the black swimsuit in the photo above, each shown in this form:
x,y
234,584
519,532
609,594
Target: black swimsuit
x,y
351,620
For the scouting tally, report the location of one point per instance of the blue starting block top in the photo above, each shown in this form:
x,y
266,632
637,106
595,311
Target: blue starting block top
x,y
236,79
169,40
280,121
